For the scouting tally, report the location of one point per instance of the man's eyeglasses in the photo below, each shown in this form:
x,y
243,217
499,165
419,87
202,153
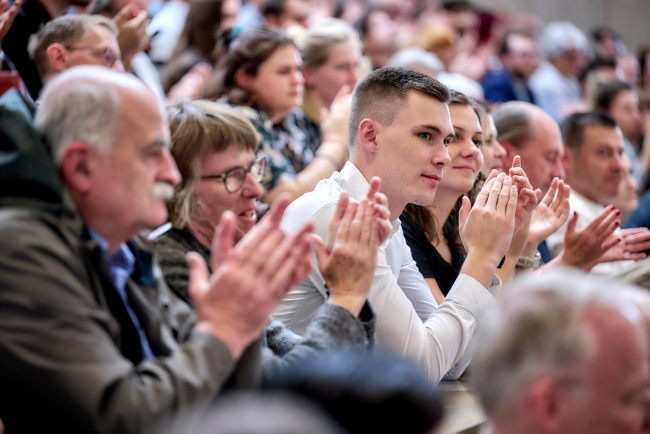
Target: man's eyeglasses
x,y
234,178
108,56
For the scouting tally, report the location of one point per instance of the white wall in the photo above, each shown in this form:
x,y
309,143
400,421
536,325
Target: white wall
x,y
631,18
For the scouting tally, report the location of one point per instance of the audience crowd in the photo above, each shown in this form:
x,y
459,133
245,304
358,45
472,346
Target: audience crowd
x,y
257,216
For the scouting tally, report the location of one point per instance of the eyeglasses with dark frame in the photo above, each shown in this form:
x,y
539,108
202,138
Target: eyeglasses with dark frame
x,y
234,178
108,56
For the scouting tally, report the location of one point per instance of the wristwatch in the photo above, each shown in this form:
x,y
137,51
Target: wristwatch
x,y
524,262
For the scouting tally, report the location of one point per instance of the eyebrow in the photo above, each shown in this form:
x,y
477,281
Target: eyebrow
x,y
438,130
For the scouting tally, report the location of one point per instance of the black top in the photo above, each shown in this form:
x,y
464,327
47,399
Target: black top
x,y
427,258
29,20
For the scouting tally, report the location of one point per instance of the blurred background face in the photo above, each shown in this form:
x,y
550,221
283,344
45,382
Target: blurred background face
x,y
626,199
597,167
569,62
277,87
491,150
89,49
625,109
341,68
464,150
211,198
229,11
522,58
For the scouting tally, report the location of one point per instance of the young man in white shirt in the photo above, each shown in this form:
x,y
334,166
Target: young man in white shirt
x,y
399,130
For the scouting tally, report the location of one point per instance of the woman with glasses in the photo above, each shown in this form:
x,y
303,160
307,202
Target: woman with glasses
x,y
214,147
259,73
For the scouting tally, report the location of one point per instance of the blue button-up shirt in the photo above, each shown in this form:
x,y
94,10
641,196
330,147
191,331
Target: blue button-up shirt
x,y
122,265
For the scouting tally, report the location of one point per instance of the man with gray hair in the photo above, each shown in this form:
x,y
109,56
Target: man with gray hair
x,y
89,334
563,354
73,40
555,84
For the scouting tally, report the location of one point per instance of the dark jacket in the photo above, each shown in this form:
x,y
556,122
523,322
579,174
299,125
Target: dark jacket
x,y
499,87
70,358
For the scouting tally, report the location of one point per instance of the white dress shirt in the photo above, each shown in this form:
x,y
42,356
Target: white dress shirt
x,y
553,91
587,211
409,321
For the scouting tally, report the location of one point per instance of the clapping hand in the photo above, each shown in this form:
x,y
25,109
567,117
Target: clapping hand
x,y
250,279
551,213
7,16
633,242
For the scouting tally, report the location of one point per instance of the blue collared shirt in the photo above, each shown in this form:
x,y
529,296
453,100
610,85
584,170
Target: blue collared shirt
x,y
122,265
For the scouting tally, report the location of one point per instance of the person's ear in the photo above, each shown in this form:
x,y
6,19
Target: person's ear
x,y
57,57
511,151
544,405
367,135
77,166
243,79
568,160
309,76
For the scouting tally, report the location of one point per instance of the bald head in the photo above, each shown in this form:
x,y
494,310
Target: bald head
x,y
526,130
83,104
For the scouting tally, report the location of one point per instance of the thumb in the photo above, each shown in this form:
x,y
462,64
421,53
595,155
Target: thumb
x,y
321,251
463,214
538,193
223,239
324,114
123,15
571,225
198,276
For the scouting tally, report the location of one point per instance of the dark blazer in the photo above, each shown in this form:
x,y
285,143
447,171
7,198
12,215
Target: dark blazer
x,y
498,87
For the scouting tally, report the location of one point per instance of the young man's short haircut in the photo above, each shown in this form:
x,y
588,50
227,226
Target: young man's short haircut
x,y
607,93
381,94
65,30
573,128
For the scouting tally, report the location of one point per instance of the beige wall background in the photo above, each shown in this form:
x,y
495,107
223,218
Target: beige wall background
x,y
631,18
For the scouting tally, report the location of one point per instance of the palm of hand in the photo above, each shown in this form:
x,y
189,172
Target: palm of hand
x,y
544,222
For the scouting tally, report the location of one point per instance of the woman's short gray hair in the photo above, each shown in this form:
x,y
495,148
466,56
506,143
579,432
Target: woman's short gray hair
x,y
539,330
81,110
560,36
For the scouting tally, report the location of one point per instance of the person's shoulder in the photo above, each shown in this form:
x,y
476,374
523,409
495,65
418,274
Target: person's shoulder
x,y
20,228
495,77
315,205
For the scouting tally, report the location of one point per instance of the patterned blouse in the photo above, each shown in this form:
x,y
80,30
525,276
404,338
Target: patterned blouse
x,y
283,144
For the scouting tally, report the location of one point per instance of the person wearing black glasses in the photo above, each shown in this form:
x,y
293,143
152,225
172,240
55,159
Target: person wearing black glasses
x,y
73,40
214,147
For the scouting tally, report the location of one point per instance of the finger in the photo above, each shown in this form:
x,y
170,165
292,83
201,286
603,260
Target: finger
x,y
529,199
600,217
3,5
633,231
571,225
277,210
609,243
123,15
375,184
139,20
344,228
504,196
609,230
495,191
342,93
222,240
320,250
637,247
381,212
463,213
335,221
483,195
516,162
550,194
566,209
288,271
198,281
302,268
270,255
357,222
607,221
367,224
381,199
492,175
511,209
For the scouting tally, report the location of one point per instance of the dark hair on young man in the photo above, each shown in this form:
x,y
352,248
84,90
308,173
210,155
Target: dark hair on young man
x,y
363,392
381,94
457,6
245,52
607,93
573,127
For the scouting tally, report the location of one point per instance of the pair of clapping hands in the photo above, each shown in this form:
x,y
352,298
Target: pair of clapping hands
x,y
250,279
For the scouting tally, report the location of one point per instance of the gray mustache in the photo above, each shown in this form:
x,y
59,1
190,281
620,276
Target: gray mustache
x,y
162,190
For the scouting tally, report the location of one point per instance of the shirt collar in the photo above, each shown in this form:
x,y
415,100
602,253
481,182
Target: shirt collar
x,y
352,180
122,259
589,204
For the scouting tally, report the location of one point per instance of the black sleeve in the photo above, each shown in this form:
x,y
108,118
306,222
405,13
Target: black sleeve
x,y
420,247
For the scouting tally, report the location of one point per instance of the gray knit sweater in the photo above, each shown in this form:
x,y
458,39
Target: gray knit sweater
x,y
332,327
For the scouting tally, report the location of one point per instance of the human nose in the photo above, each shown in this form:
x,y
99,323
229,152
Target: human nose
x,y
169,171
558,170
252,187
442,159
